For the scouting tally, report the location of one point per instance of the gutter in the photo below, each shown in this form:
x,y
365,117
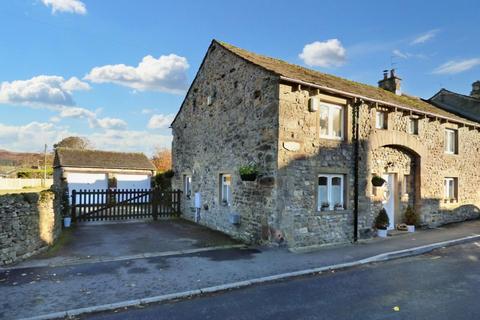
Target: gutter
x,y
353,95
356,160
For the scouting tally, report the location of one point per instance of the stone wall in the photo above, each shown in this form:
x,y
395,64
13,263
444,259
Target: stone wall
x,y
28,223
236,113
228,119
303,155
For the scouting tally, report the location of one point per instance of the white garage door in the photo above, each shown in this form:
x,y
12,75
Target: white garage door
x,y
86,181
133,181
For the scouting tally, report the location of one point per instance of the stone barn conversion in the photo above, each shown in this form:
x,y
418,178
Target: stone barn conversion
x,y
95,169
317,141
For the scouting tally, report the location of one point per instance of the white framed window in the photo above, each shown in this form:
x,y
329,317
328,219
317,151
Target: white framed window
x,y
187,186
381,120
450,189
226,189
330,192
413,126
451,139
331,121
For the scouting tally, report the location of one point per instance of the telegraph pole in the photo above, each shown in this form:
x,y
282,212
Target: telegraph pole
x,y
45,166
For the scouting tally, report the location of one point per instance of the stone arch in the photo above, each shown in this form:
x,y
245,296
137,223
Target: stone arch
x,y
411,147
399,139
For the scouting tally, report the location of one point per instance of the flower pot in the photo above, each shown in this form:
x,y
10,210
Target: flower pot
x,y
248,177
382,233
410,228
67,221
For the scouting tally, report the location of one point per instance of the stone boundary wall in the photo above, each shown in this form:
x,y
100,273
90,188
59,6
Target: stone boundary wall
x,y
17,183
28,223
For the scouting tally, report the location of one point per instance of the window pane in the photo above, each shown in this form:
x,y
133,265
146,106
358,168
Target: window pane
x,y
336,191
322,191
379,120
324,120
337,122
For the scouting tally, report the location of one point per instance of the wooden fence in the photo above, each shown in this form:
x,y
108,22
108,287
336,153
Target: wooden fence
x,y
123,204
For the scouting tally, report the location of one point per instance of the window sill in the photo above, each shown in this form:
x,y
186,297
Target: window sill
x,y
450,153
331,138
343,211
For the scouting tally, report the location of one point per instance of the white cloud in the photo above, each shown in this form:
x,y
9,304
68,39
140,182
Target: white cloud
x,y
111,123
165,74
400,54
408,55
427,36
330,53
29,137
160,121
41,91
71,6
32,137
453,66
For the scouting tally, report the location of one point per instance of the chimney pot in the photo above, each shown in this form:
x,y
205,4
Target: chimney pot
x,y
392,83
475,90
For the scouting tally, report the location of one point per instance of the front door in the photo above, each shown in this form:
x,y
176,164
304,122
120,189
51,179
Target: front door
x,y
389,198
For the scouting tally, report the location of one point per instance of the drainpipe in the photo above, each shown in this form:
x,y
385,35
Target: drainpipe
x,y
356,145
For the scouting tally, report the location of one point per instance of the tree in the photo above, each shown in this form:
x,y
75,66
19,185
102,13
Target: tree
x,y
74,143
162,159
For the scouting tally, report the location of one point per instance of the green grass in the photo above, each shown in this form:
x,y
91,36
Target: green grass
x,y
65,237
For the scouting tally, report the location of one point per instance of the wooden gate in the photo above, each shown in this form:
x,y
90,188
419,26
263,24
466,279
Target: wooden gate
x,y
123,204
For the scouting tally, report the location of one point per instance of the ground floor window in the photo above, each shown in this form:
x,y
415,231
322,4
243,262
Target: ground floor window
x,y
330,192
187,186
450,189
226,189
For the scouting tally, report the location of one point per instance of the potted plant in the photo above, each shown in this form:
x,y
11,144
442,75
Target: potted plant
x,y
410,218
378,181
381,223
338,206
248,173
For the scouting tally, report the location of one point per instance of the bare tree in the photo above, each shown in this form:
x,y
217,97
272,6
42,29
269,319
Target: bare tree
x,y
74,143
162,159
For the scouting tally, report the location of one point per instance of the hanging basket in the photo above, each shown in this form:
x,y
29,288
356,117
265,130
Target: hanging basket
x,y
378,181
248,177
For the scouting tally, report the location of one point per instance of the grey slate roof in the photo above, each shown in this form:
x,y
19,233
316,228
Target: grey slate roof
x,y
297,72
462,105
78,158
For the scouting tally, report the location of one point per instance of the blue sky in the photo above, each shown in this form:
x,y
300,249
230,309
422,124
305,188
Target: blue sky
x,y
116,71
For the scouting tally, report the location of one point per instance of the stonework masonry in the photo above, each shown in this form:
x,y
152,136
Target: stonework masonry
x,y
236,113
28,224
229,119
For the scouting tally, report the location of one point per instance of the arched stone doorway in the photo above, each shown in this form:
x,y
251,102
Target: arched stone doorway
x,y
400,167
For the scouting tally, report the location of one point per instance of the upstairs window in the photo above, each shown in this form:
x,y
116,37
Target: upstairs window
x,y
413,126
331,121
226,189
381,120
450,189
187,186
330,192
451,141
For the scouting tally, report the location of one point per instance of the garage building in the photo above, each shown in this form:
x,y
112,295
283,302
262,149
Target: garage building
x,y
78,169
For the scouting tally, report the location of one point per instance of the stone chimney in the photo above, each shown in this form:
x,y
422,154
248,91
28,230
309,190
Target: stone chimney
x,y
475,90
391,83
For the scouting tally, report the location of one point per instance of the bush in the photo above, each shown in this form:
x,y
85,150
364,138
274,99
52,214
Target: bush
x,y
382,221
163,180
410,216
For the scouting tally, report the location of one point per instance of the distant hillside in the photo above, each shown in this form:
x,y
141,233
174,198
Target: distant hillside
x,y
22,159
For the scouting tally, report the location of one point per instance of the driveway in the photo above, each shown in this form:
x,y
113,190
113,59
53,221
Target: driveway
x,y
119,241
